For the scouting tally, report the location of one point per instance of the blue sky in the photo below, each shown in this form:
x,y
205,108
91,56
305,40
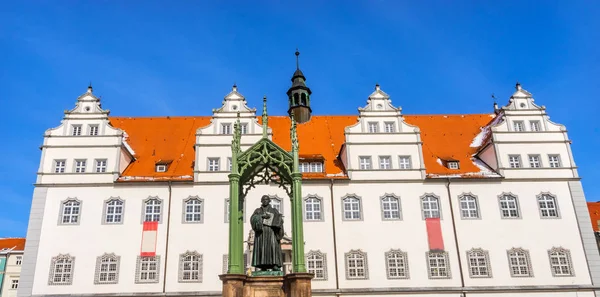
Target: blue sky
x,y
148,58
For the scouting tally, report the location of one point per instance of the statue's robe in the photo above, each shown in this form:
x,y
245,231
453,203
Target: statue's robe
x,y
267,248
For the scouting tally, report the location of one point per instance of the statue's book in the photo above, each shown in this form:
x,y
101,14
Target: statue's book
x,y
268,221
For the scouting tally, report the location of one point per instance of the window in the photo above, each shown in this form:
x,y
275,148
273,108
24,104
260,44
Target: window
x,y
548,207
316,263
404,162
554,161
100,165
365,163
509,206
152,210
430,206
396,263
514,161
277,203
304,167
61,270
534,161
468,207
190,267
244,128
479,263
385,162
518,125
356,265
560,262
226,128
535,126
390,207
107,269
19,260
227,210
14,284
70,212
453,164
76,130
213,164
312,209
59,166
161,168
93,130
373,127
519,263
80,166
193,210
352,211
113,211
437,264
389,127
316,167
147,269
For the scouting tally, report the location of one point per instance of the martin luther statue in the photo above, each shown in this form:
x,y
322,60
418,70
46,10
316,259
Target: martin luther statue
x,y
267,224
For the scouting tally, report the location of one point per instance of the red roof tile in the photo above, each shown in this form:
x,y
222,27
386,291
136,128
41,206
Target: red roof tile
x,y
16,244
173,138
594,209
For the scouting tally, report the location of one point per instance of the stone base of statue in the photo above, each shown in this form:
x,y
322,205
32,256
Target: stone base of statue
x,y
290,285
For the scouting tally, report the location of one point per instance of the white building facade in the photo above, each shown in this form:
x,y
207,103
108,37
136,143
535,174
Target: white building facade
x,y
11,260
394,204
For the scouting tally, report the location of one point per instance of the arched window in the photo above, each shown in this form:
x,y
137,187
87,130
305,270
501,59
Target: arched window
x,y
356,265
313,209
70,212
520,263
547,205
190,267
351,208
316,263
479,263
296,99
396,262
390,207
193,210
62,268
509,206
303,99
468,207
430,206
560,262
107,269
113,211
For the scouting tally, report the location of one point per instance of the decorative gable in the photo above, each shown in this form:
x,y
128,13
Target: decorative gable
x,y
521,99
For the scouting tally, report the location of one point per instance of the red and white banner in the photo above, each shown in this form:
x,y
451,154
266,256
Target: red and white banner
x,y
434,234
149,237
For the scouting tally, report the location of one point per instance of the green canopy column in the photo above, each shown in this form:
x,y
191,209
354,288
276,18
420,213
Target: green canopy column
x,y
298,261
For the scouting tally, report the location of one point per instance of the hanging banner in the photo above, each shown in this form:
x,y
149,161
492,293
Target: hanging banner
x,y
434,234
149,237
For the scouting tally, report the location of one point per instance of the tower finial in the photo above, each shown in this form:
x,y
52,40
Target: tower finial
x,y
297,62
518,86
265,119
90,89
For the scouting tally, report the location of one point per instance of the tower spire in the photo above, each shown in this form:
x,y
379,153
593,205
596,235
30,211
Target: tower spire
x,y
297,59
299,95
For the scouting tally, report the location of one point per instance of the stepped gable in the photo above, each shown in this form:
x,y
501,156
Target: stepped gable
x,y
172,138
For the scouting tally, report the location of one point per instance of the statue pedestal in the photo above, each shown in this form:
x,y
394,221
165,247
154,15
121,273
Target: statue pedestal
x,y
290,285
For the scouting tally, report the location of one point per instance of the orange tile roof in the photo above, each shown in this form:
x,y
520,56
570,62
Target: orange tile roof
x,y
16,244
173,138
594,209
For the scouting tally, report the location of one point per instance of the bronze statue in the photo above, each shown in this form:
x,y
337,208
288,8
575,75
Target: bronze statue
x,y
267,224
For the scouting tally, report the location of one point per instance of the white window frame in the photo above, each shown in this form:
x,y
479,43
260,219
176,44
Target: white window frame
x,y
14,283
561,264
365,163
76,130
312,215
147,267
61,267
304,167
512,210
214,164
479,263
534,161
404,162
60,166
19,260
114,211
354,270
225,128
80,165
278,203
548,206
519,126
519,261
389,127
100,165
107,269
430,212
388,213
93,130
535,126
396,264
352,201
193,210
161,168
438,265
244,128
373,127
316,263
469,206
153,202
190,267
453,165
554,161
514,161
385,162
316,166
70,212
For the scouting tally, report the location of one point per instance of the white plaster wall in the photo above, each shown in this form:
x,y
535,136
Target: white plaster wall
x,y
12,272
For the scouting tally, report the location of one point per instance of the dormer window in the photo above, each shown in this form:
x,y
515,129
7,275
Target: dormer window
x,y
226,128
76,130
314,166
518,125
389,127
93,130
373,127
162,165
453,165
